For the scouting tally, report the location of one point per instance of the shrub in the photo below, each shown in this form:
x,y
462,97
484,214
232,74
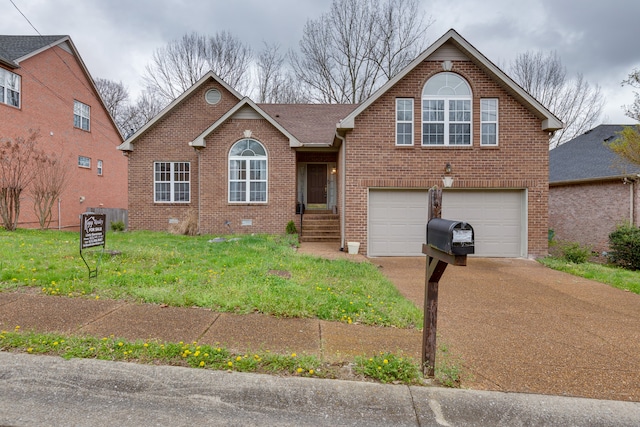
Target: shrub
x,y
291,228
575,252
624,243
117,226
188,226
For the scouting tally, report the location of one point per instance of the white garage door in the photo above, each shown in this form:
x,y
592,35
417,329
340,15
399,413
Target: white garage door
x,y
397,220
497,218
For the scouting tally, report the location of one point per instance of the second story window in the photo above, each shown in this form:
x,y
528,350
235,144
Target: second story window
x,y
446,111
9,88
81,115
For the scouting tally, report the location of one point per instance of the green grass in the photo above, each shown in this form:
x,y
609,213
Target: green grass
x,y
252,274
614,276
384,367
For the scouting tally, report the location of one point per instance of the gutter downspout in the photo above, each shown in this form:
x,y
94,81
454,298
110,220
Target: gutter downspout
x,y
199,187
343,189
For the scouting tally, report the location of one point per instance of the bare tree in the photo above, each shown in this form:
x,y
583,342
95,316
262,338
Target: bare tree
x,y
116,99
48,183
401,35
182,62
275,82
574,101
633,110
17,160
348,53
147,106
230,59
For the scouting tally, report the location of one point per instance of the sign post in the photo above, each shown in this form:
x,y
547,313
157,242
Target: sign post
x,y
92,234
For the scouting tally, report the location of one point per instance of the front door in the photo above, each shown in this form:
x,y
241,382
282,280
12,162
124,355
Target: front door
x,y
316,184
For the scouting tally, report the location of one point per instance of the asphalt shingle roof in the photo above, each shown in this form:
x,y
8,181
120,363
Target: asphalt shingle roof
x,y
15,47
309,123
589,157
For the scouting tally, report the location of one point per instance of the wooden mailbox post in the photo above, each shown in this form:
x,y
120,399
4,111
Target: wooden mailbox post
x,y
437,261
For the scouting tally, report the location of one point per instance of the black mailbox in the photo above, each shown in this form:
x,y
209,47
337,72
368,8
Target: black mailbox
x,y
452,237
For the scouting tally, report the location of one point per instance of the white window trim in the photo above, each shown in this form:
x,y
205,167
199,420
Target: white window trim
x,y
398,100
496,122
80,114
4,76
172,182
99,166
248,179
446,122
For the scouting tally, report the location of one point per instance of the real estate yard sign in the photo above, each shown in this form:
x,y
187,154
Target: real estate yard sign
x,y
92,234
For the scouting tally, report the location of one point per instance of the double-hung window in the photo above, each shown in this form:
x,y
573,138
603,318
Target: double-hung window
x,y
446,111
488,121
81,115
9,88
404,121
171,182
247,172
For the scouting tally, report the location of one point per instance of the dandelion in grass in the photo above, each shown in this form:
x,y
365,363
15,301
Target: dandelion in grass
x,y
385,361
202,364
293,355
30,349
299,370
230,364
311,372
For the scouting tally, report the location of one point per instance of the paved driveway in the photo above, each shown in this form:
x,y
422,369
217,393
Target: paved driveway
x,y
522,327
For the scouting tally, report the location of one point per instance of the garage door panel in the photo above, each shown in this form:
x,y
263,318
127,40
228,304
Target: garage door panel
x,y
397,220
496,216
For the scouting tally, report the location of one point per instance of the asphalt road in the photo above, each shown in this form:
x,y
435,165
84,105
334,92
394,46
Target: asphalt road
x,y
50,391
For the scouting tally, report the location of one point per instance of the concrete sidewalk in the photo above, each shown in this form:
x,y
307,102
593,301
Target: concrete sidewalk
x,y
50,391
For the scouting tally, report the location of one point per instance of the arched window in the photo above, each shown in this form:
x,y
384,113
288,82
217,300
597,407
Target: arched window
x,y
248,172
446,110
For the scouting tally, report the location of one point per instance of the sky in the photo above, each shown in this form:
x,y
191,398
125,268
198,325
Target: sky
x,y
117,38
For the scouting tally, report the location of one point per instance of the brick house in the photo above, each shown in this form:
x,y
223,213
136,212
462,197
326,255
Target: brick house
x,y
591,189
45,86
366,168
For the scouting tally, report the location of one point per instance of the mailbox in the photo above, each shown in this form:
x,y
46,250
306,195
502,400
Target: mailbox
x,y
452,237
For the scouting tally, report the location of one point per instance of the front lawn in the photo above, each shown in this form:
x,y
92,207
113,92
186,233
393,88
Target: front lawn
x,y
614,276
251,274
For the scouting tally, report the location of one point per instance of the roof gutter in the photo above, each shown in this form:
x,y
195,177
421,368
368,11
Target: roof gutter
x,y
631,176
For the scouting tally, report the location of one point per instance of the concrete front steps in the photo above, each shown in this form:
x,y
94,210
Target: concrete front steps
x,y
320,226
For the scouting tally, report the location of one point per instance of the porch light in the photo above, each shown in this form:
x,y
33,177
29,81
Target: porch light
x,y
447,179
333,171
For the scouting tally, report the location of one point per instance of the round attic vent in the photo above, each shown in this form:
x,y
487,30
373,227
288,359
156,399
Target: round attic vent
x,y
213,96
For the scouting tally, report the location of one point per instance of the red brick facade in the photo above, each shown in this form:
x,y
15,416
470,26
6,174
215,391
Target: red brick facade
x,y
50,82
520,161
169,140
368,156
586,213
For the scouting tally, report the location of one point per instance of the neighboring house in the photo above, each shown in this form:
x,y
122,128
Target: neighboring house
x,y
591,189
246,167
46,87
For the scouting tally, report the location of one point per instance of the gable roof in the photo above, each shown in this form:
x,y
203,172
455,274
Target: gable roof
x,y
549,121
245,102
14,49
312,124
588,158
127,145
